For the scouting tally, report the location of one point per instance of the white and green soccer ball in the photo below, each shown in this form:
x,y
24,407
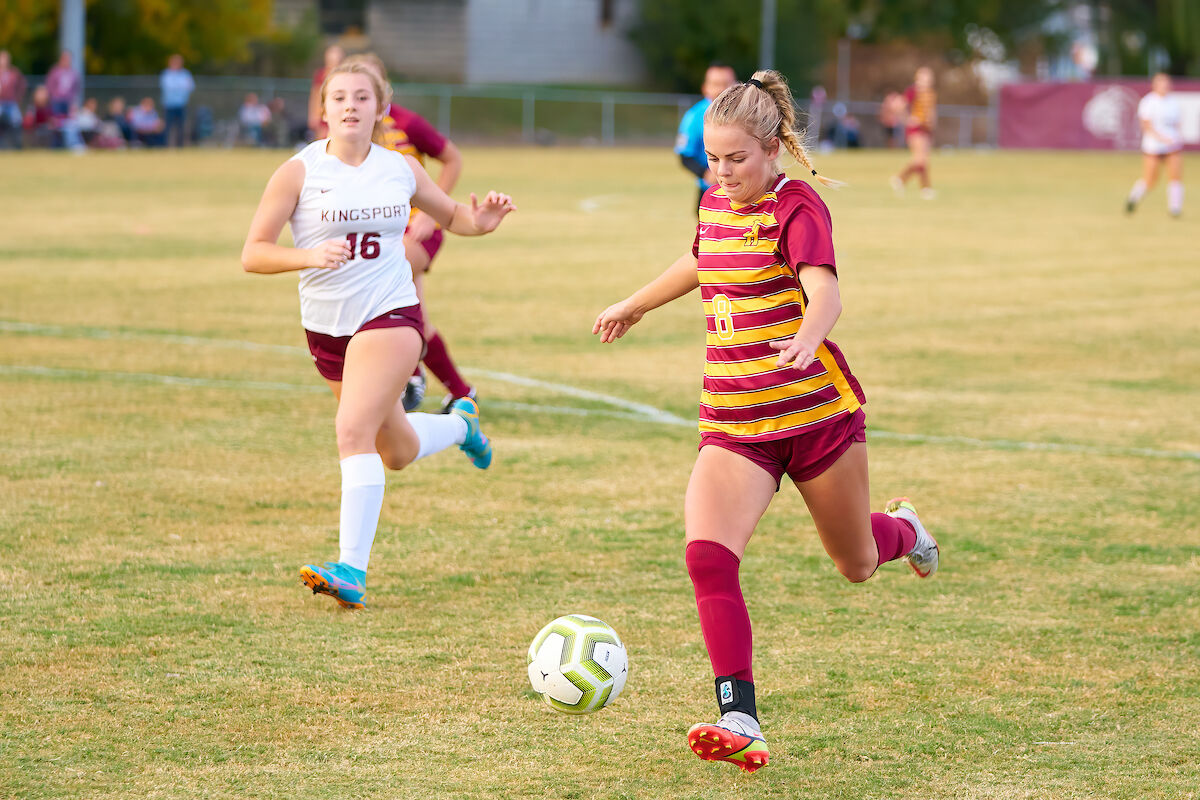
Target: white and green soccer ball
x,y
578,664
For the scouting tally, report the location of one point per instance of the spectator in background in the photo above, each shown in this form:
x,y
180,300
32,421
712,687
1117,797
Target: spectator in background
x,y
87,121
177,86
891,111
253,117
118,116
689,143
39,119
64,85
12,96
147,124
333,57
284,131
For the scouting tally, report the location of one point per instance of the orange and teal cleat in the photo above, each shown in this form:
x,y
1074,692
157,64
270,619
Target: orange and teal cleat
x,y
340,581
476,446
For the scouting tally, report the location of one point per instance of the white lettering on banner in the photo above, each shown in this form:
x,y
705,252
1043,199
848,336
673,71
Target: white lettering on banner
x,y
1112,114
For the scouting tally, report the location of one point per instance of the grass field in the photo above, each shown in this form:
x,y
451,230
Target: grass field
x,y
167,463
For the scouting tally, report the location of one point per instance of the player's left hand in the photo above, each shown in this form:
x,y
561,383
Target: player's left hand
x,y
798,351
420,227
487,215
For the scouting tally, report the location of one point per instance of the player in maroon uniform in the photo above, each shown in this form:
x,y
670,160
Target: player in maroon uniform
x,y
778,396
407,132
316,122
921,102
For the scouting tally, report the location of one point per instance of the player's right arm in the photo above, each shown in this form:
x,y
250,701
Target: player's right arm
x,y
262,253
678,279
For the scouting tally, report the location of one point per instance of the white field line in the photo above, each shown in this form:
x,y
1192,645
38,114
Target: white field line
x,y
635,412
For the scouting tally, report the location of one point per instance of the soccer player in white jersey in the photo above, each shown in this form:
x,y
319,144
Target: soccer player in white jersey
x,y
1159,114
348,202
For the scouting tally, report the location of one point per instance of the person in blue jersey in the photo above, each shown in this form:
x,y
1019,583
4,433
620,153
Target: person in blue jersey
x,y
689,143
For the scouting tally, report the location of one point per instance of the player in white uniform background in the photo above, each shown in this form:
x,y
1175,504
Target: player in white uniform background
x,y
348,202
1159,114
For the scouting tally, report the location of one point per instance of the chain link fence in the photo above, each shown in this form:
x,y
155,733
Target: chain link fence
x,y
519,114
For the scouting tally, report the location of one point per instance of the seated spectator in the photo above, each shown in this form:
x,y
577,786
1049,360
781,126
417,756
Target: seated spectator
x,y
12,97
88,121
285,131
252,118
39,119
147,124
119,118
891,115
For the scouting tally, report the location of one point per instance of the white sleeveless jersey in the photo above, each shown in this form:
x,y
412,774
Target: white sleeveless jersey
x,y
368,205
1163,114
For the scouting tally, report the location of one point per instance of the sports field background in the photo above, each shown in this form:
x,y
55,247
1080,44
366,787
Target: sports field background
x,y
167,463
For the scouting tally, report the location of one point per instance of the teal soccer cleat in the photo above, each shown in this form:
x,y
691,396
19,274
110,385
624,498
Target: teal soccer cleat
x,y
476,445
340,581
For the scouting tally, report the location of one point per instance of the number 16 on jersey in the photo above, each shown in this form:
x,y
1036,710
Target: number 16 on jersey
x,y
367,247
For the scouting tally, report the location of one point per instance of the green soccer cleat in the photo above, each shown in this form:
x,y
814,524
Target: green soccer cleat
x,y
923,558
476,445
735,738
340,581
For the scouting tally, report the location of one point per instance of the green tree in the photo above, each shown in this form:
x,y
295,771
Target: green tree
x,y
1133,27
28,31
680,38
136,36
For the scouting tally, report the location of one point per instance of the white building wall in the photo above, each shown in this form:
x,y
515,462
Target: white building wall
x,y
420,40
550,41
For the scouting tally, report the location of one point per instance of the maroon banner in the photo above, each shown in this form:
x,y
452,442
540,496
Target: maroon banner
x,y
1100,115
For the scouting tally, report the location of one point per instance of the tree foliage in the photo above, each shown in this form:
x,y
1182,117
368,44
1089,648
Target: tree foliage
x,y
137,36
680,38
29,31
1173,25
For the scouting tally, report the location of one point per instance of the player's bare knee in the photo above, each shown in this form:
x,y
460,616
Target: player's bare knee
x,y
857,571
353,436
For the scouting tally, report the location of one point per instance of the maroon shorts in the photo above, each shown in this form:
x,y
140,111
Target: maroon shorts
x,y
432,245
329,352
801,457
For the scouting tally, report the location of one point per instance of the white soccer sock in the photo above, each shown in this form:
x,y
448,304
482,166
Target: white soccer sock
x,y
1138,191
362,498
1175,197
436,432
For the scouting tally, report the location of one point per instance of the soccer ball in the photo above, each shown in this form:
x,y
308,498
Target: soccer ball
x,y
578,664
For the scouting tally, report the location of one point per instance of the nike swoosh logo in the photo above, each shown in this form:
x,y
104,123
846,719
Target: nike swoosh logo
x,y
323,191
704,229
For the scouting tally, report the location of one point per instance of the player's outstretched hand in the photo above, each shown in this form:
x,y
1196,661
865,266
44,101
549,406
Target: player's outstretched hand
x,y
796,350
331,254
487,215
616,320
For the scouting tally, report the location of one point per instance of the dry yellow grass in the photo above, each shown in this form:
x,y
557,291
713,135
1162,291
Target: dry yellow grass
x,y
154,639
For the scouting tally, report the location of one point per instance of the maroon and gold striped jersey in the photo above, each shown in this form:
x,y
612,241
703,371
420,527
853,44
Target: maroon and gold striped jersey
x,y
749,258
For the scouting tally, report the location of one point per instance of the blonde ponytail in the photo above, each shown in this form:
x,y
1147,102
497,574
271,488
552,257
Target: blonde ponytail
x,y
764,108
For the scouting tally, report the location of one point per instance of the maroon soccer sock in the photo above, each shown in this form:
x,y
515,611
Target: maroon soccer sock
x,y
895,538
437,358
724,620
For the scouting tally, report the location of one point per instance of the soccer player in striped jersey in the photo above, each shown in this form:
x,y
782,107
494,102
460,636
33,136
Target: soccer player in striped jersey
x,y
407,132
921,100
348,201
779,397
